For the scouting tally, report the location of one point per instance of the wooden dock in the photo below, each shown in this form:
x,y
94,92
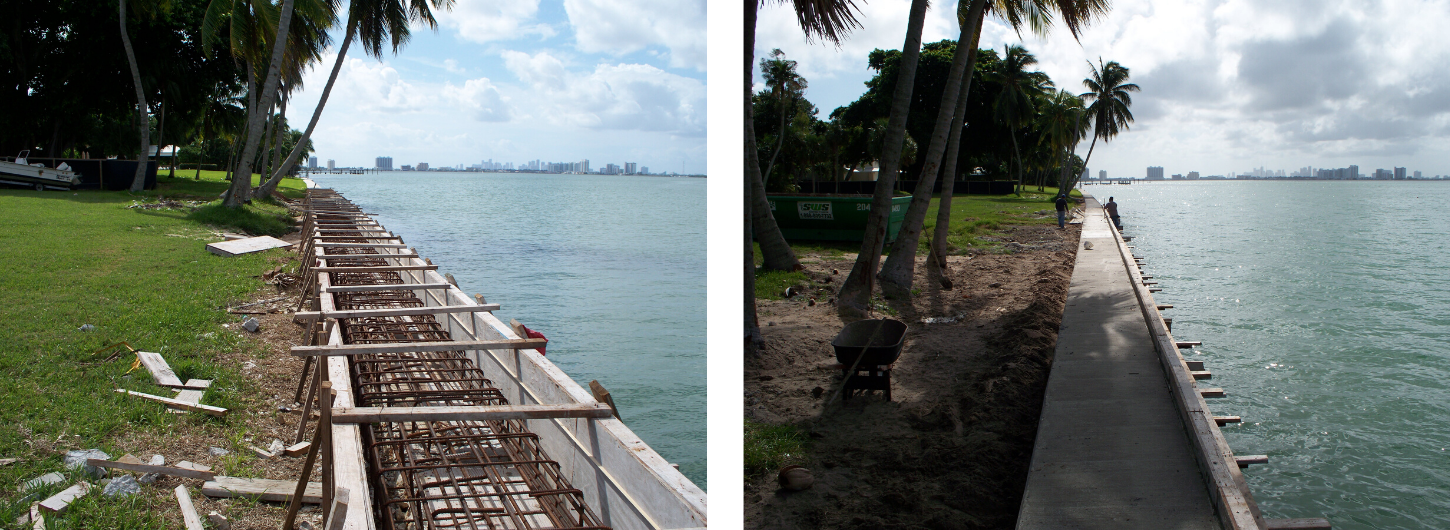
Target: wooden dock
x,y
1125,439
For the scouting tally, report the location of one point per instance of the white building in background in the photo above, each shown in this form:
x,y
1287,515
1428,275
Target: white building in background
x,y
422,166
1155,172
385,163
1192,175
311,162
644,170
1417,174
331,164
1085,174
631,168
1399,173
1102,174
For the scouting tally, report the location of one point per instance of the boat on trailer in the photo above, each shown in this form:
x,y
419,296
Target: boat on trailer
x,y
20,173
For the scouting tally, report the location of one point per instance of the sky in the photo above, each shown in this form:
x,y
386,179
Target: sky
x,y
1227,86
611,81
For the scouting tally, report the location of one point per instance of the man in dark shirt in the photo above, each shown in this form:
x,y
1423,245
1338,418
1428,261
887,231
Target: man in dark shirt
x,y
1112,208
1061,210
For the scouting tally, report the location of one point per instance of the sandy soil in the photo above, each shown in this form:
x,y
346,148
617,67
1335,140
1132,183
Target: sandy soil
x,y
952,449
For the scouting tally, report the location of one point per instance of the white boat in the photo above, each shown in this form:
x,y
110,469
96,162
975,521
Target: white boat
x,y
21,173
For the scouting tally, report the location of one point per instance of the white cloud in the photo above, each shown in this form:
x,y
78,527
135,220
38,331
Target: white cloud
x,y
482,97
484,21
625,26
1226,84
612,97
370,85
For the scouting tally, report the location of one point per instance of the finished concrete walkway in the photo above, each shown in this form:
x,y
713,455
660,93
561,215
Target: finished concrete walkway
x,y
1111,449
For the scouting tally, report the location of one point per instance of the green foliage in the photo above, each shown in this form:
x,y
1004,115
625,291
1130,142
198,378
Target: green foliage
x,y
771,447
255,219
137,275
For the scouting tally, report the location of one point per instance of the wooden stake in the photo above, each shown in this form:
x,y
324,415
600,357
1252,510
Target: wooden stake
x,y
602,395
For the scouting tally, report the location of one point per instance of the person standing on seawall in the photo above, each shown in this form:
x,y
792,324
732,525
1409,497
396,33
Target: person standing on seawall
x,y
1112,208
1061,210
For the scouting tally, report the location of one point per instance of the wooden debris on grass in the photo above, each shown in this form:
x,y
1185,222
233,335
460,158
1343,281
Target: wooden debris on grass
x,y
160,371
8,461
59,502
188,510
261,489
147,468
237,247
297,449
194,407
37,519
192,466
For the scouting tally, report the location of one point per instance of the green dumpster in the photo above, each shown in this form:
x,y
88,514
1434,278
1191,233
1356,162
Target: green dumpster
x,y
831,217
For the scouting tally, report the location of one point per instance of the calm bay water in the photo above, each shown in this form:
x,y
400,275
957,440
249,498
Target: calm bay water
x,y
610,268
1324,312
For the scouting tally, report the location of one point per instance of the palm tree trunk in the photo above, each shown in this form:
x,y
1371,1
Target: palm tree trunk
x,y
265,157
1090,150
773,246
944,206
899,270
1065,181
1017,155
242,181
855,296
753,340
780,140
322,102
266,188
138,183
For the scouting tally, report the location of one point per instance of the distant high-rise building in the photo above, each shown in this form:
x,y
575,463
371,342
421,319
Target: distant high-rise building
x,y
331,164
1399,173
631,168
422,166
1383,174
1155,172
1192,175
1417,174
385,163
1353,172
644,170
312,162
1085,175
584,166
1102,174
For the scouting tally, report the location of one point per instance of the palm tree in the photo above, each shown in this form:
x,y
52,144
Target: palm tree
x,y
372,22
899,269
787,86
1108,90
825,19
143,121
853,300
1062,126
1018,89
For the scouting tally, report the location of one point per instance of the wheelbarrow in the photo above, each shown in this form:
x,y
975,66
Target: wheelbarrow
x,y
866,350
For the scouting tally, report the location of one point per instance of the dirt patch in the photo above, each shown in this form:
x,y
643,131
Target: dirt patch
x,y
951,450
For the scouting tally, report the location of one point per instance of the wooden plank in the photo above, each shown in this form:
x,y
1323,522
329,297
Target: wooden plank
x,y
1312,523
194,407
188,510
386,287
37,519
189,396
249,245
147,468
193,466
60,501
1211,392
470,413
365,245
1225,420
1163,306
337,513
1187,344
297,449
395,312
160,371
1194,365
388,268
1199,375
602,395
196,384
260,489
365,256
326,240
360,349
1248,460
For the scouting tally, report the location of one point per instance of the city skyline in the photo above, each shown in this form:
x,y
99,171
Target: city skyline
x,y
533,80
1225,83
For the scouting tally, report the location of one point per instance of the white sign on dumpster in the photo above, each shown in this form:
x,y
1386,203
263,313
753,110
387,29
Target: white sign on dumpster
x,y
814,210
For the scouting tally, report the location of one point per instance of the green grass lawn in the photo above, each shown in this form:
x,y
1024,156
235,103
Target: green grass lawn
x,y
142,276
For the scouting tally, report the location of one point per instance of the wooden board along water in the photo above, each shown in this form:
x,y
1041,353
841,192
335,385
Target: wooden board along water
x,y
237,247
